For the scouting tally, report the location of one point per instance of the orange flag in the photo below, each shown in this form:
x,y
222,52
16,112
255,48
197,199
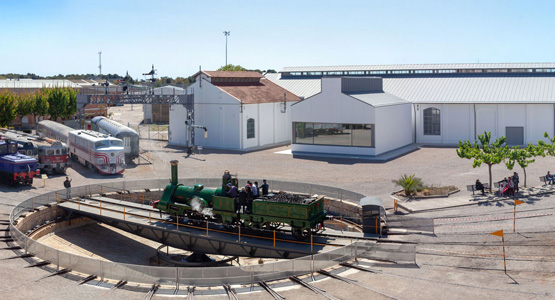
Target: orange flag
x,y
498,233
517,202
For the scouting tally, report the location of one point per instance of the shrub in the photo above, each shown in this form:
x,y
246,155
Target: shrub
x,y
410,184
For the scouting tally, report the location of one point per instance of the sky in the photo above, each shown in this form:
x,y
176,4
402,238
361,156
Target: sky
x,y
179,37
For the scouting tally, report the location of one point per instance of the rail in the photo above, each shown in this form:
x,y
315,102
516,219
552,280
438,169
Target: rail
x,y
181,275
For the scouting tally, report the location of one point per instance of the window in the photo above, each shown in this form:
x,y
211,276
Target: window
x,y
432,121
117,143
334,134
250,128
102,144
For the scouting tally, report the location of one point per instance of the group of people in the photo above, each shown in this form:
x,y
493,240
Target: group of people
x,y
246,195
508,186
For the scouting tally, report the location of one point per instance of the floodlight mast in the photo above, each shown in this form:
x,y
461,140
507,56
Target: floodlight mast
x,y
100,62
226,33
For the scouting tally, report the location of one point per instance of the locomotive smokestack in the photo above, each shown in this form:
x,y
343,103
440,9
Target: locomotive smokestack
x,y
174,171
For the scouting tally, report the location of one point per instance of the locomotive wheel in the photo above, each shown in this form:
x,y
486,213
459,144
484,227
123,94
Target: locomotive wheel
x,y
273,225
300,233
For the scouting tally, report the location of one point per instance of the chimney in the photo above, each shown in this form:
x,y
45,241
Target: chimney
x,y
174,171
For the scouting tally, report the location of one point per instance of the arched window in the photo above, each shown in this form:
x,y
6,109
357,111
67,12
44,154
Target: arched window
x,y
432,124
250,128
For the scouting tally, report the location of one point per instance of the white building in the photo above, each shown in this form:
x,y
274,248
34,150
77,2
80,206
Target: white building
x,y
351,116
453,102
240,111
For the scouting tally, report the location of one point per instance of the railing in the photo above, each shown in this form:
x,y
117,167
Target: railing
x,y
183,275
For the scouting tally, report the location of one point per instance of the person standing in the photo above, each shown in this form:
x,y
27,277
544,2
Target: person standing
x,y
516,181
255,190
67,185
264,187
241,201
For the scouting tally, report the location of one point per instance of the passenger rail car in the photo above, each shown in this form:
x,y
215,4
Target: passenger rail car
x,y
304,214
16,168
129,136
51,155
97,151
54,130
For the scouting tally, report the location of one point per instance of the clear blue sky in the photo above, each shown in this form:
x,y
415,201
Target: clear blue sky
x,y
63,37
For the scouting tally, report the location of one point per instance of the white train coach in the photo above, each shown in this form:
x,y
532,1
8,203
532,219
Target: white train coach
x,y
97,151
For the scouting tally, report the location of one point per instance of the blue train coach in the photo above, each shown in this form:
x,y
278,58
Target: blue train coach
x,y
16,168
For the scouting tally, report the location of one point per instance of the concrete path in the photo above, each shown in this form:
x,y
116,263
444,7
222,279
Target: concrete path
x,y
464,198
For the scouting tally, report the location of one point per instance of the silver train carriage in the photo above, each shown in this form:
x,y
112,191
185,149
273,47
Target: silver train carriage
x,y
129,136
97,151
53,130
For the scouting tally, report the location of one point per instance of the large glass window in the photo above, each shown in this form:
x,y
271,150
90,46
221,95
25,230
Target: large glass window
x,y
432,124
250,128
334,134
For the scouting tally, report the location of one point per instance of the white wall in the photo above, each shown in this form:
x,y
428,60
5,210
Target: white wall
x,y
393,127
332,106
177,127
457,121
272,127
147,112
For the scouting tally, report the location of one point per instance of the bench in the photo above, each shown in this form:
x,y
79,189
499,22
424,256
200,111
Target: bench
x,y
472,187
544,180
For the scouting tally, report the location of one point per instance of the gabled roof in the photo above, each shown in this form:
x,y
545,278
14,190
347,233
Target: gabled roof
x,y
378,99
264,91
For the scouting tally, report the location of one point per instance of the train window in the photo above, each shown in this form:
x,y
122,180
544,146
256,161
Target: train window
x,y
102,144
41,151
57,151
64,151
50,152
12,148
3,149
29,152
117,143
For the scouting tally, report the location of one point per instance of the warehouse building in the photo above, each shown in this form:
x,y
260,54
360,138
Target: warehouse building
x,y
452,102
240,111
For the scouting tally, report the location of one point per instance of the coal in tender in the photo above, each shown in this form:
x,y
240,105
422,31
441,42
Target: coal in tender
x,y
283,197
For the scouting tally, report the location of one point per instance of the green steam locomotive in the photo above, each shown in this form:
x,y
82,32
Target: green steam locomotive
x,y
303,214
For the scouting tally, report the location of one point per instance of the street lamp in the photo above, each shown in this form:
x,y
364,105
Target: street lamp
x,y
226,33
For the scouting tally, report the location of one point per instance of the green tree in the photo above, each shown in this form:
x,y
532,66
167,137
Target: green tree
x,y
40,105
8,108
523,157
71,107
58,102
410,184
484,152
230,67
24,105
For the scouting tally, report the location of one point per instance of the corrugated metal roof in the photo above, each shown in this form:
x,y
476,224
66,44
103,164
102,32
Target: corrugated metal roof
x,y
473,89
378,99
470,89
421,67
303,88
36,84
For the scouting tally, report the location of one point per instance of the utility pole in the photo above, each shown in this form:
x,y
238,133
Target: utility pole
x,y
226,33
100,63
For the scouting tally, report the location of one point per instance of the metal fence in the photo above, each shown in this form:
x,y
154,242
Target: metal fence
x,y
152,131
184,275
